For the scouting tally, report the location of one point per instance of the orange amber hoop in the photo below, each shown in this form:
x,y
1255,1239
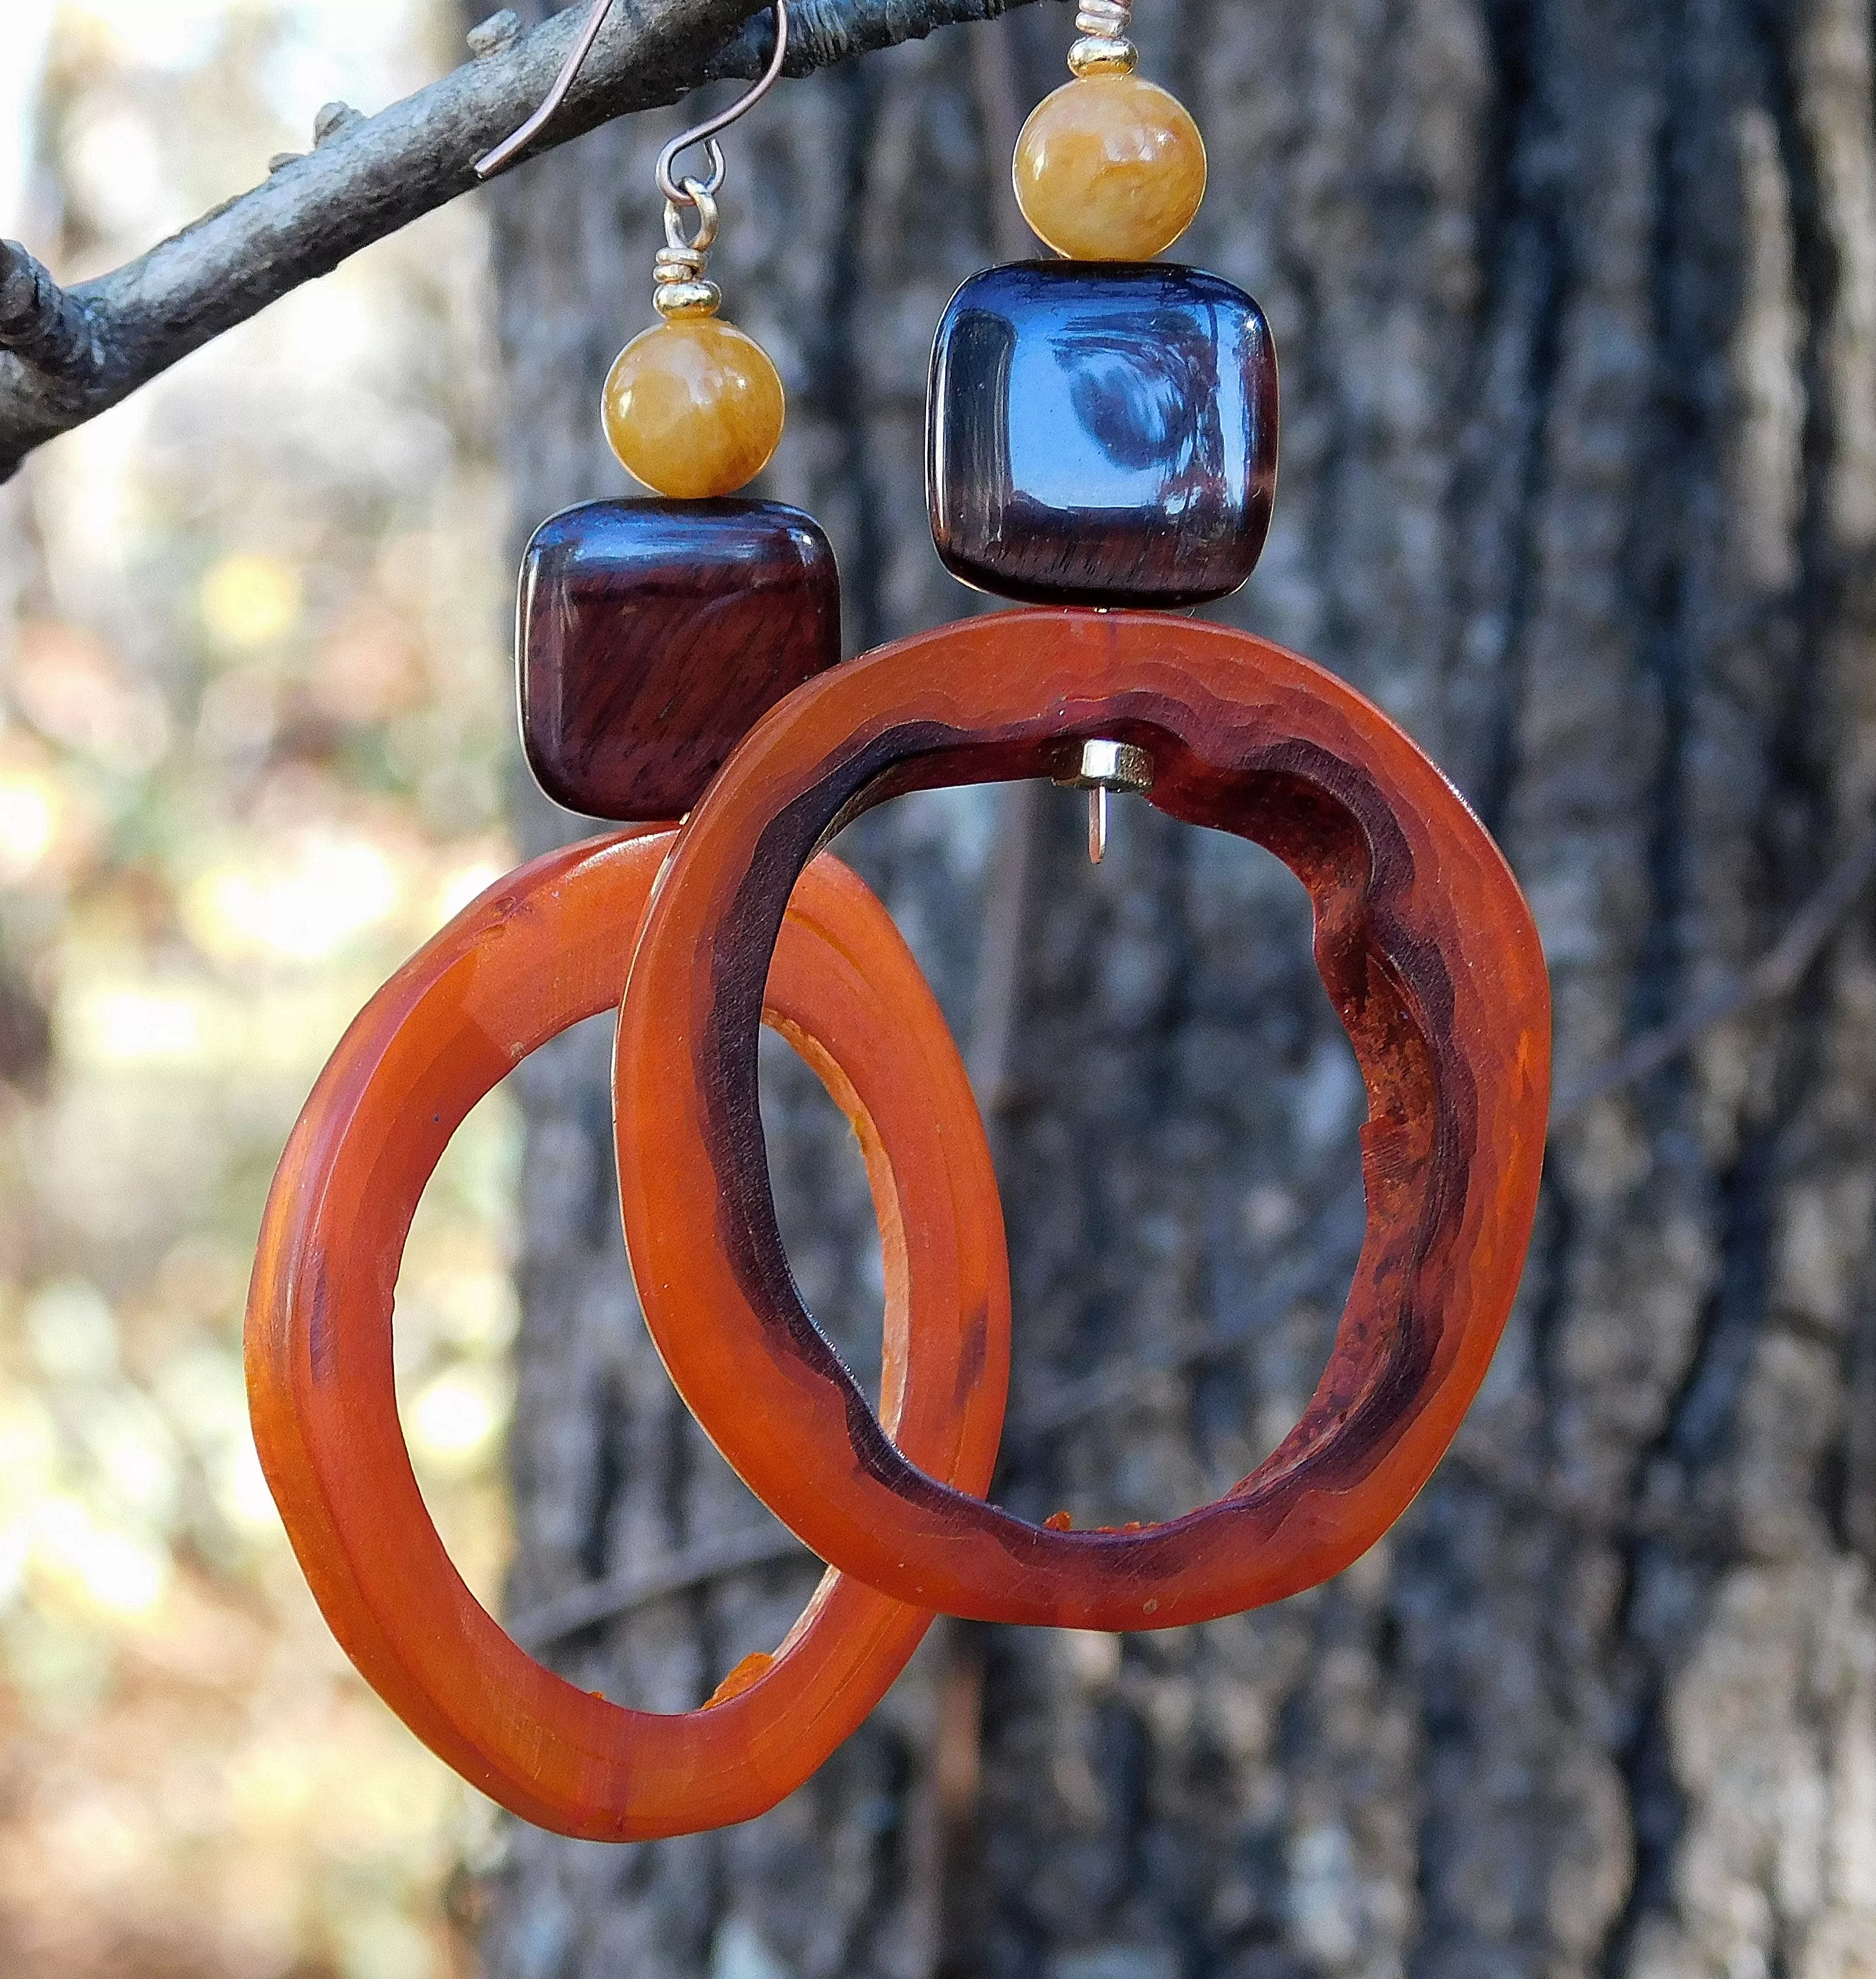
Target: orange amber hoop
x,y
1424,943
537,952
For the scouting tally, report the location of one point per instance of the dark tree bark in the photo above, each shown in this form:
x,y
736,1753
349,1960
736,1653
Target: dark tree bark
x,y
1576,301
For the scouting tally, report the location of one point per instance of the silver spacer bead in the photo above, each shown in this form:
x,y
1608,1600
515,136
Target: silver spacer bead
x,y
1104,48
673,299
1097,54
1112,20
1102,765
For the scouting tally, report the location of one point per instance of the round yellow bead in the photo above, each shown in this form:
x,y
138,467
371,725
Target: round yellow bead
x,y
1110,168
693,408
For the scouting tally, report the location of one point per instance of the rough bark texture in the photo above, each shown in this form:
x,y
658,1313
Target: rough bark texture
x,y
1576,300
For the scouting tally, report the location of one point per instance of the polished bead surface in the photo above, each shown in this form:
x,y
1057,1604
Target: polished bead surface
x,y
1102,435
694,408
1110,168
652,635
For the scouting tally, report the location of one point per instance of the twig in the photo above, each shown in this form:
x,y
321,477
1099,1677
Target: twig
x,y
1005,919
45,326
604,1600
67,355
943,1873
1776,975
1334,1261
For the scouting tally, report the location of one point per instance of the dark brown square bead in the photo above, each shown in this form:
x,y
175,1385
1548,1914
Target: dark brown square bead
x,y
653,635
1102,433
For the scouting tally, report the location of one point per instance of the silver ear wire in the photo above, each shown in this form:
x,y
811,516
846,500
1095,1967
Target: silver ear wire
x,y
512,146
678,286
705,133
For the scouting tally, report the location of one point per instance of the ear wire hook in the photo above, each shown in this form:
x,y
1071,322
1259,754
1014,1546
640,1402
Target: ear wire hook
x,y
705,133
512,146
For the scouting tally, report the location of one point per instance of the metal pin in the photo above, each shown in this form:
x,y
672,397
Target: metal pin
x,y
1098,767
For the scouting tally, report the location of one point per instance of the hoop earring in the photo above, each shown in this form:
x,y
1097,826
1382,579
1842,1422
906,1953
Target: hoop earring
x,y
1160,384
540,950
1451,1031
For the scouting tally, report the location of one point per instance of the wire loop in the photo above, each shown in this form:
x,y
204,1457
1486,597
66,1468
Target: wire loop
x,y
694,193
678,192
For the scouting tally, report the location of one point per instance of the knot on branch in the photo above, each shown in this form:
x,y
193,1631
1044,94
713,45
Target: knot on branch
x,y
334,120
490,37
39,321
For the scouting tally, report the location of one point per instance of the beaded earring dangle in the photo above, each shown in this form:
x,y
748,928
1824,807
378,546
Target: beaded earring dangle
x,y
652,634
1103,429
1110,167
692,407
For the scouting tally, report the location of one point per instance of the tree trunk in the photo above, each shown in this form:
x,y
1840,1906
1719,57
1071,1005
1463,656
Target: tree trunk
x,y
1576,302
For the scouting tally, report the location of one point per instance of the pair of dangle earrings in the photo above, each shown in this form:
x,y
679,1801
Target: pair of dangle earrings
x,y
1102,434
1101,431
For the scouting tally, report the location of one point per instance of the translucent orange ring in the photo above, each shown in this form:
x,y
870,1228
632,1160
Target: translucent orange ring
x,y
538,952
1424,943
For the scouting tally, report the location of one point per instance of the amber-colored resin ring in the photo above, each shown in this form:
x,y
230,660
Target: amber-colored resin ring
x,y
1426,946
543,949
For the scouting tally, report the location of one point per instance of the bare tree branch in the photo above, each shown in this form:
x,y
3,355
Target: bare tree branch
x,y
65,355
46,326
603,1600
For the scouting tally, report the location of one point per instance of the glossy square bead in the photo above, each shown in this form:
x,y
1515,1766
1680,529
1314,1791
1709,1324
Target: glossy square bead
x,y
651,637
1102,433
